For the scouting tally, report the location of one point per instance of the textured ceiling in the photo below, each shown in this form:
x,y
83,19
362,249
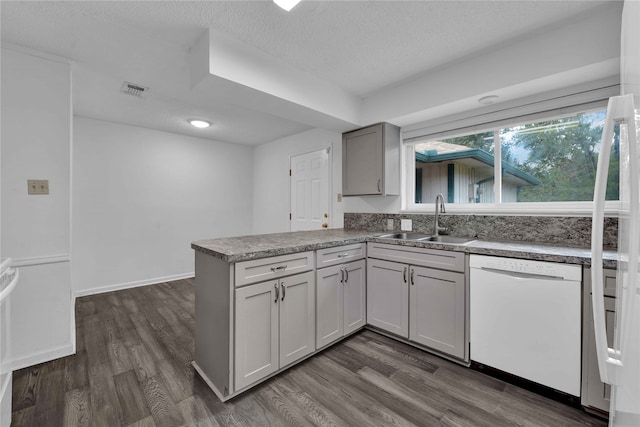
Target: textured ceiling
x,y
360,46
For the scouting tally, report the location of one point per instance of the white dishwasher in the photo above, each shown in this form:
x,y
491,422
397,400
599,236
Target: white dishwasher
x,y
525,319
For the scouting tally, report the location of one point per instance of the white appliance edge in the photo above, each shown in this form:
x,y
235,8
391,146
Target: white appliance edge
x,y
620,365
8,280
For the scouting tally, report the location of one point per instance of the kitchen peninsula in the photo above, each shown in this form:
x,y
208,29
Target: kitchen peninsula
x,y
256,295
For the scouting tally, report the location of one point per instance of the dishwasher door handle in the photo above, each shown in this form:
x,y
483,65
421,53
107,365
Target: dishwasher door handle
x,y
519,275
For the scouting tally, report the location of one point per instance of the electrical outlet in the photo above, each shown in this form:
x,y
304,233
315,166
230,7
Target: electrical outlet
x,y
406,225
389,223
37,186
339,197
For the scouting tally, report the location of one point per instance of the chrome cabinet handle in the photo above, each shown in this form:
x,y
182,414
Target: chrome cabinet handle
x,y
344,255
379,187
412,280
404,275
277,292
341,276
284,292
346,272
279,268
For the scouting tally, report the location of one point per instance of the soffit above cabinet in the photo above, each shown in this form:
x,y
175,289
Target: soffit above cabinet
x,y
360,55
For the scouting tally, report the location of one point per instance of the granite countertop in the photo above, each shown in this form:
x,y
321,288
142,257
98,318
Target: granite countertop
x,y
243,248
542,252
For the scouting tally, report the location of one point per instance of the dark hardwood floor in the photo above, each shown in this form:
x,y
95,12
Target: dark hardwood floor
x,y
132,368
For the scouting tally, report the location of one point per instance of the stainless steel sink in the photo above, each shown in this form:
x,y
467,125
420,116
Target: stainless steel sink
x,y
427,238
404,236
448,239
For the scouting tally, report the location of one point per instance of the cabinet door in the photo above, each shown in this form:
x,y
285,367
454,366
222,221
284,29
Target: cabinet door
x,y
362,161
355,296
388,296
256,333
329,303
297,317
437,310
595,393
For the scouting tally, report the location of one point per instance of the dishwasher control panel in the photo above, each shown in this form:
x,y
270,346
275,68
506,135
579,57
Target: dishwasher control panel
x,y
525,266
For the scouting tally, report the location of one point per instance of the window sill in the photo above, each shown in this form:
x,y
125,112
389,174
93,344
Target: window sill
x,y
568,209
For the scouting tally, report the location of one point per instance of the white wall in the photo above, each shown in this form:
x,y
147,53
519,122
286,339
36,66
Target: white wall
x,y
271,199
36,144
630,50
579,51
373,204
455,88
271,85
141,196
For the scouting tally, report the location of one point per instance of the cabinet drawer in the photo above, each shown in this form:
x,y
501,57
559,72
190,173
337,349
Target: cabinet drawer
x,y
340,254
433,258
609,282
258,270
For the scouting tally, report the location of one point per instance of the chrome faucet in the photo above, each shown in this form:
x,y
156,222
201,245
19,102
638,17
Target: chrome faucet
x,y
439,209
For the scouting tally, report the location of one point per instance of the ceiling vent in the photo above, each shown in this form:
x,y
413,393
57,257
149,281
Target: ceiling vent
x,y
134,89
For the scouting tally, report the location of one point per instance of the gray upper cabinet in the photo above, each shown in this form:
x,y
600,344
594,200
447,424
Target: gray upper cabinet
x,y
371,161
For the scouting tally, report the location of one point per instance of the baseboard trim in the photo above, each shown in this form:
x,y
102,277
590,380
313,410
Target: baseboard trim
x,y
128,285
206,379
34,359
543,390
40,260
5,400
463,362
6,386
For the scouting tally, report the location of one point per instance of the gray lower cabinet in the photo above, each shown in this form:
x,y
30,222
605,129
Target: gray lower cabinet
x,y
253,318
340,301
416,301
388,296
596,394
436,311
275,326
257,330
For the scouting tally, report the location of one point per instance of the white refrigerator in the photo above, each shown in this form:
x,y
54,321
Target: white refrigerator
x,y
620,366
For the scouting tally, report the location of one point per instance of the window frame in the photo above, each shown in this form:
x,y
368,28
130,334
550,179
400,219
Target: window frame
x,y
553,208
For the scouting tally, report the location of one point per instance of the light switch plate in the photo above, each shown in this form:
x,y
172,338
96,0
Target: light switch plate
x,y
406,225
37,186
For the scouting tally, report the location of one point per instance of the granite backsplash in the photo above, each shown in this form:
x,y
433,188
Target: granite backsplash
x,y
565,231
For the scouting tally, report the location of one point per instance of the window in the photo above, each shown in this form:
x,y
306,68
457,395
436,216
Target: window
x,y
535,166
460,168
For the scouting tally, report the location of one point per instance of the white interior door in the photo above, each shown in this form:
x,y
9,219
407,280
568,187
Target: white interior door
x,y
310,191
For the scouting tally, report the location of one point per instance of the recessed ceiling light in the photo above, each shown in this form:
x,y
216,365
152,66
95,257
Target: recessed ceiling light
x,y
286,4
199,123
488,100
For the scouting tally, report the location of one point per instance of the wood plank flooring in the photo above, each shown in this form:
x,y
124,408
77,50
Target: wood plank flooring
x,y
132,368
